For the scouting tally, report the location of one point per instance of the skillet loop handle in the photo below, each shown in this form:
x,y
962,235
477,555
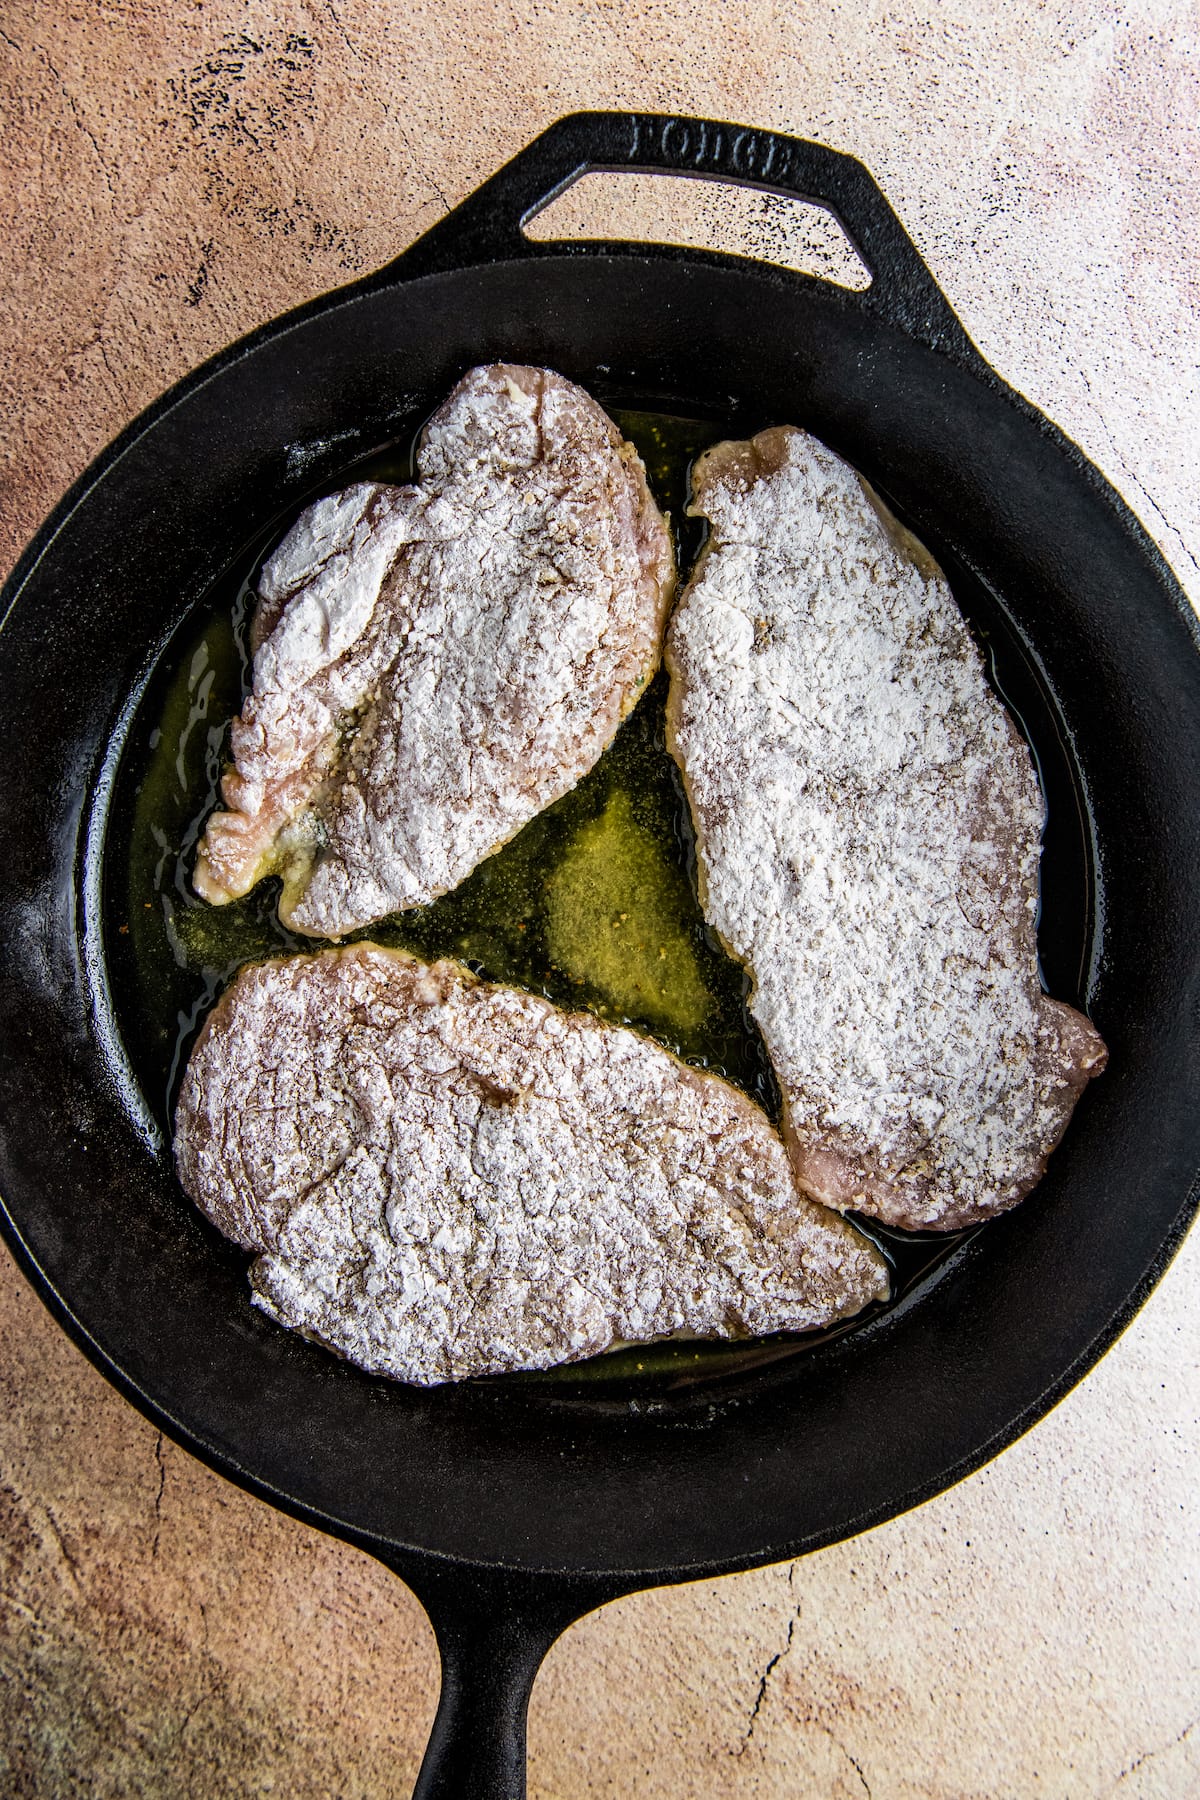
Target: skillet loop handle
x,y
493,1632
488,226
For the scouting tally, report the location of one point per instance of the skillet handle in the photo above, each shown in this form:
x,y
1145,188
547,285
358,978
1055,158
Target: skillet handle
x,y
493,1632
488,225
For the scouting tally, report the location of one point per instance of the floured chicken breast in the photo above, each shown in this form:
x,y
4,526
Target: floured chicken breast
x,y
869,827
443,1178
435,664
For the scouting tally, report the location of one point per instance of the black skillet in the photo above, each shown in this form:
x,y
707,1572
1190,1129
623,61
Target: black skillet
x,y
511,1509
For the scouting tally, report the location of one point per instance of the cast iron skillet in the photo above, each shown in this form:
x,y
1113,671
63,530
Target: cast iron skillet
x,y
513,1508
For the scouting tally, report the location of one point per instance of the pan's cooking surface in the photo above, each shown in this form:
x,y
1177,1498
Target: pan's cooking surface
x,y
172,954
771,1460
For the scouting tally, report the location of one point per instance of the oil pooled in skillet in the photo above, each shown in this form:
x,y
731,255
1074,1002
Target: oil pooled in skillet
x,y
593,904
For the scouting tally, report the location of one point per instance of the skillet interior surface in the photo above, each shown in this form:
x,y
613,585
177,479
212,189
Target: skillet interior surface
x,y
635,1485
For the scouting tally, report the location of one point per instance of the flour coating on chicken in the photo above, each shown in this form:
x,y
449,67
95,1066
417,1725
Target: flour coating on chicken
x,y
436,664
869,830
442,1178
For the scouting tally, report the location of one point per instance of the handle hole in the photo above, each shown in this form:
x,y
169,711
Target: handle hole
x,y
646,208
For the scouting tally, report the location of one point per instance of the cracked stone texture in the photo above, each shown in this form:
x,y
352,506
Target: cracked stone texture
x,y
175,173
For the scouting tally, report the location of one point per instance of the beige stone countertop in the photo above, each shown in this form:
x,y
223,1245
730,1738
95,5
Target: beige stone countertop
x,y
177,171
